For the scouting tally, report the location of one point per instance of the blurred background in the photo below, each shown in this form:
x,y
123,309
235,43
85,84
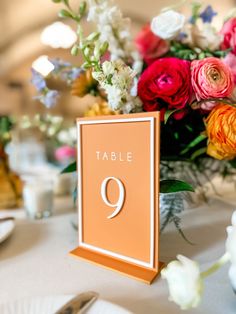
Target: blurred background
x,y
22,23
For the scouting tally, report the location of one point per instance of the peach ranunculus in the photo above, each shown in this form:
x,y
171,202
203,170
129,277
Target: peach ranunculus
x,y
211,78
221,131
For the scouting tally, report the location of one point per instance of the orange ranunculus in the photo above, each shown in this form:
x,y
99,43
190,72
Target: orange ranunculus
x,y
221,131
100,109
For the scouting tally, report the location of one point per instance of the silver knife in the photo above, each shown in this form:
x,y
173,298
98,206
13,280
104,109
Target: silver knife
x,y
79,303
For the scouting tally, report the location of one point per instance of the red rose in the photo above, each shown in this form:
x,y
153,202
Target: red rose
x,y
229,35
166,85
150,46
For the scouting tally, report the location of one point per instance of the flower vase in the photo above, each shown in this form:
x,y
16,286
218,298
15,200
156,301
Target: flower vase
x,y
198,174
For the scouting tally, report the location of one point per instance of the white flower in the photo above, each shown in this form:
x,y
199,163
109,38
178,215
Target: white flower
x,y
114,28
116,78
232,276
231,240
231,250
108,68
205,38
185,283
167,25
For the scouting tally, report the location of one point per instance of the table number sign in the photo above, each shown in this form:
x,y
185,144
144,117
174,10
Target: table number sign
x,y
118,188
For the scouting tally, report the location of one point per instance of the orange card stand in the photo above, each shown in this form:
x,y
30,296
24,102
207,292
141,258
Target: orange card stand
x,y
118,193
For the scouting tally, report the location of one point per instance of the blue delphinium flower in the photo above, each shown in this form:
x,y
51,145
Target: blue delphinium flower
x,y
59,64
38,80
75,72
208,14
182,36
49,98
65,70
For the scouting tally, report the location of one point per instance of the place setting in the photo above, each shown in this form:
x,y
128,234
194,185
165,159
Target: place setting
x,y
87,302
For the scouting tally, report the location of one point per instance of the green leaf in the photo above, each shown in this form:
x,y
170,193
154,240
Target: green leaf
x,y
168,113
198,153
64,14
71,168
176,220
195,142
233,163
56,1
172,186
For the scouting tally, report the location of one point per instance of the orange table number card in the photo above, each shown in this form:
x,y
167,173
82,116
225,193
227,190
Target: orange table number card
x,y
118,188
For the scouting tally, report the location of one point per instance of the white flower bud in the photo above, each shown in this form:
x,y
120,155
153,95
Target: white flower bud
x,y
232,276
184,281
231,240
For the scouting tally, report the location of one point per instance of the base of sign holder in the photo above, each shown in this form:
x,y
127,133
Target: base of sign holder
x,y
130,270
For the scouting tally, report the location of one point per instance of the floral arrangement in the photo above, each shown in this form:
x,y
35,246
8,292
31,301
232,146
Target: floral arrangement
x,y
184,68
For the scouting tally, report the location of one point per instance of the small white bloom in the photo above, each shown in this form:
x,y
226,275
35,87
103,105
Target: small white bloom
x,y
205,38
114,28
63,136
232,276
231,250
231,240
167,25
73,133
233,219
184,281
108,68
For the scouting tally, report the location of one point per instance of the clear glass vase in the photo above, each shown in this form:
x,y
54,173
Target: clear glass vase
x,y
199,174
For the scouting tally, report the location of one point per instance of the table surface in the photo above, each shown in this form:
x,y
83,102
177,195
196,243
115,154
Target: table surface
x,y
34,260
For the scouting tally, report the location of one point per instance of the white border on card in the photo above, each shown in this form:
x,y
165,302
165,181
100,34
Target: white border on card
x,y
150,264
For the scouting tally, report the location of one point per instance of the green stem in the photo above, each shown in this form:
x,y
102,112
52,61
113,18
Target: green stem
x,y
221,261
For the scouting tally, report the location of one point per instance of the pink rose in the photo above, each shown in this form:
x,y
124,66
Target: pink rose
x,y
230,60
64,153
211,78
229,35
150,46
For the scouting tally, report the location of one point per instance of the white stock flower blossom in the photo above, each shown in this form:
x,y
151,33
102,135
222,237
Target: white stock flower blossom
x,y
184,281
168,25
115,29
116,78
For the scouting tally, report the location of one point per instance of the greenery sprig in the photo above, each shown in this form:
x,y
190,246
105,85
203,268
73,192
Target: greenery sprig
x,y
90,47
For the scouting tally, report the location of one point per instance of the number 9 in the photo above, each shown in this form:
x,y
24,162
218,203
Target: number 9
x,y
120,201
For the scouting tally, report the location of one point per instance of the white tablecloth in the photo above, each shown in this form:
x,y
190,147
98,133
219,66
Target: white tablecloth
x,y
34,261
